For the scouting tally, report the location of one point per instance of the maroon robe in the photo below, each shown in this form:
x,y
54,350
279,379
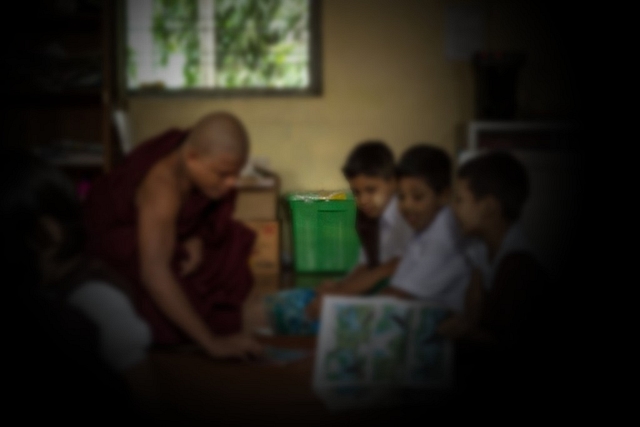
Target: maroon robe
x,y
221,283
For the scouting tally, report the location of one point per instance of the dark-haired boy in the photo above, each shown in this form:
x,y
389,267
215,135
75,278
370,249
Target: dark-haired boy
x,y
384,234
490,194
434,267
503,327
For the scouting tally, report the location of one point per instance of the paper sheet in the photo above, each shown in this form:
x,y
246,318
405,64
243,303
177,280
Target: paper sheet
x,y
370,348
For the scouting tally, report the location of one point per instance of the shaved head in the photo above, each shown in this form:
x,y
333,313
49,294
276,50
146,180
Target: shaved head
x,y
214,154
219,132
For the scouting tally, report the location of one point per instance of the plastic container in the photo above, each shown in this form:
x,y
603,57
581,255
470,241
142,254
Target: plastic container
x,y
323,231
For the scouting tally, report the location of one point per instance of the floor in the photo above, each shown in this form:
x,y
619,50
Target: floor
x,y
190,388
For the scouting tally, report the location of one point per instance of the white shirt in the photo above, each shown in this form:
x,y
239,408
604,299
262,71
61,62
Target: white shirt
x,y
395,234
124,336
514,241
435,268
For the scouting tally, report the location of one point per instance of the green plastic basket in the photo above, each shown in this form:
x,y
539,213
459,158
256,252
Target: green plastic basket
x,y
323,231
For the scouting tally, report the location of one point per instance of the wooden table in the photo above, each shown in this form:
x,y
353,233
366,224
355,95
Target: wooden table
x,y
195,389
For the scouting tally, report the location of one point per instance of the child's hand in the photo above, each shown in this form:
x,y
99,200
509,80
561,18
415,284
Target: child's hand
x,y
313,308
193,247
327,286
239,346
454,327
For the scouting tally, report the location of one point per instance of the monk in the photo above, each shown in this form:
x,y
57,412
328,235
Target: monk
x,y
162,219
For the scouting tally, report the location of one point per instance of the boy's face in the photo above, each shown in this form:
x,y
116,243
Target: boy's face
x,y
372,193
469,211
418,202
215,174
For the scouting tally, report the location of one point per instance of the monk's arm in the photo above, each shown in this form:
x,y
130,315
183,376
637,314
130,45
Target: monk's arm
x,y
157,215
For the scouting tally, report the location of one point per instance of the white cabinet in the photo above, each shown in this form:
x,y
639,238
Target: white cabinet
x,y
537,135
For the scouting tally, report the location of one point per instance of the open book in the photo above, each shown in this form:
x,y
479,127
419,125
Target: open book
x,y
372,347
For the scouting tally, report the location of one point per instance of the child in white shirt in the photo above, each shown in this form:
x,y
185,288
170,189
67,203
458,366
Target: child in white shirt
x,y
384,234
434,267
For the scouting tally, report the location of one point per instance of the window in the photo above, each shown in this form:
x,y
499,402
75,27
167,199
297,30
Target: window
x,y
220,47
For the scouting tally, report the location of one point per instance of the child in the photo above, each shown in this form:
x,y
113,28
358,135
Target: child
x,y
490,194
383,234
86,326
503,308
434,267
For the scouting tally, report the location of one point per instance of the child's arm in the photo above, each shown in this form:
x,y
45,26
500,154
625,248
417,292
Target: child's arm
x,y
358,282
466,325
332,285
395,292
364,279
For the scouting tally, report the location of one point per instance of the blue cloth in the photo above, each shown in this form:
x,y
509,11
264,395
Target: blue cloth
x,y
287,315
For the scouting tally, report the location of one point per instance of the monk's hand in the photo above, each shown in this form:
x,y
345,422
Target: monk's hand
x,y
239,346
193,248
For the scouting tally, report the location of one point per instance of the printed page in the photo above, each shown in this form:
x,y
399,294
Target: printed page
x,y
380,342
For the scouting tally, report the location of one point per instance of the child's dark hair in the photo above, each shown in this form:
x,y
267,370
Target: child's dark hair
x,y
500,174
428,162
30,189
371,158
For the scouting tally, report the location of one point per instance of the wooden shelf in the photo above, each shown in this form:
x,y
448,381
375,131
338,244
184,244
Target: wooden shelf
x,y
521,134
77,22
58,77
49,17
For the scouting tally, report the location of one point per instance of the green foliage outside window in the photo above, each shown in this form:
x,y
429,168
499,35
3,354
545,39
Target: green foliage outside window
x,y
175,30
258,43
261,43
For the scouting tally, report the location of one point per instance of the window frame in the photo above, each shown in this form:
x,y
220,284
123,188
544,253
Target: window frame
x,y
315,67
